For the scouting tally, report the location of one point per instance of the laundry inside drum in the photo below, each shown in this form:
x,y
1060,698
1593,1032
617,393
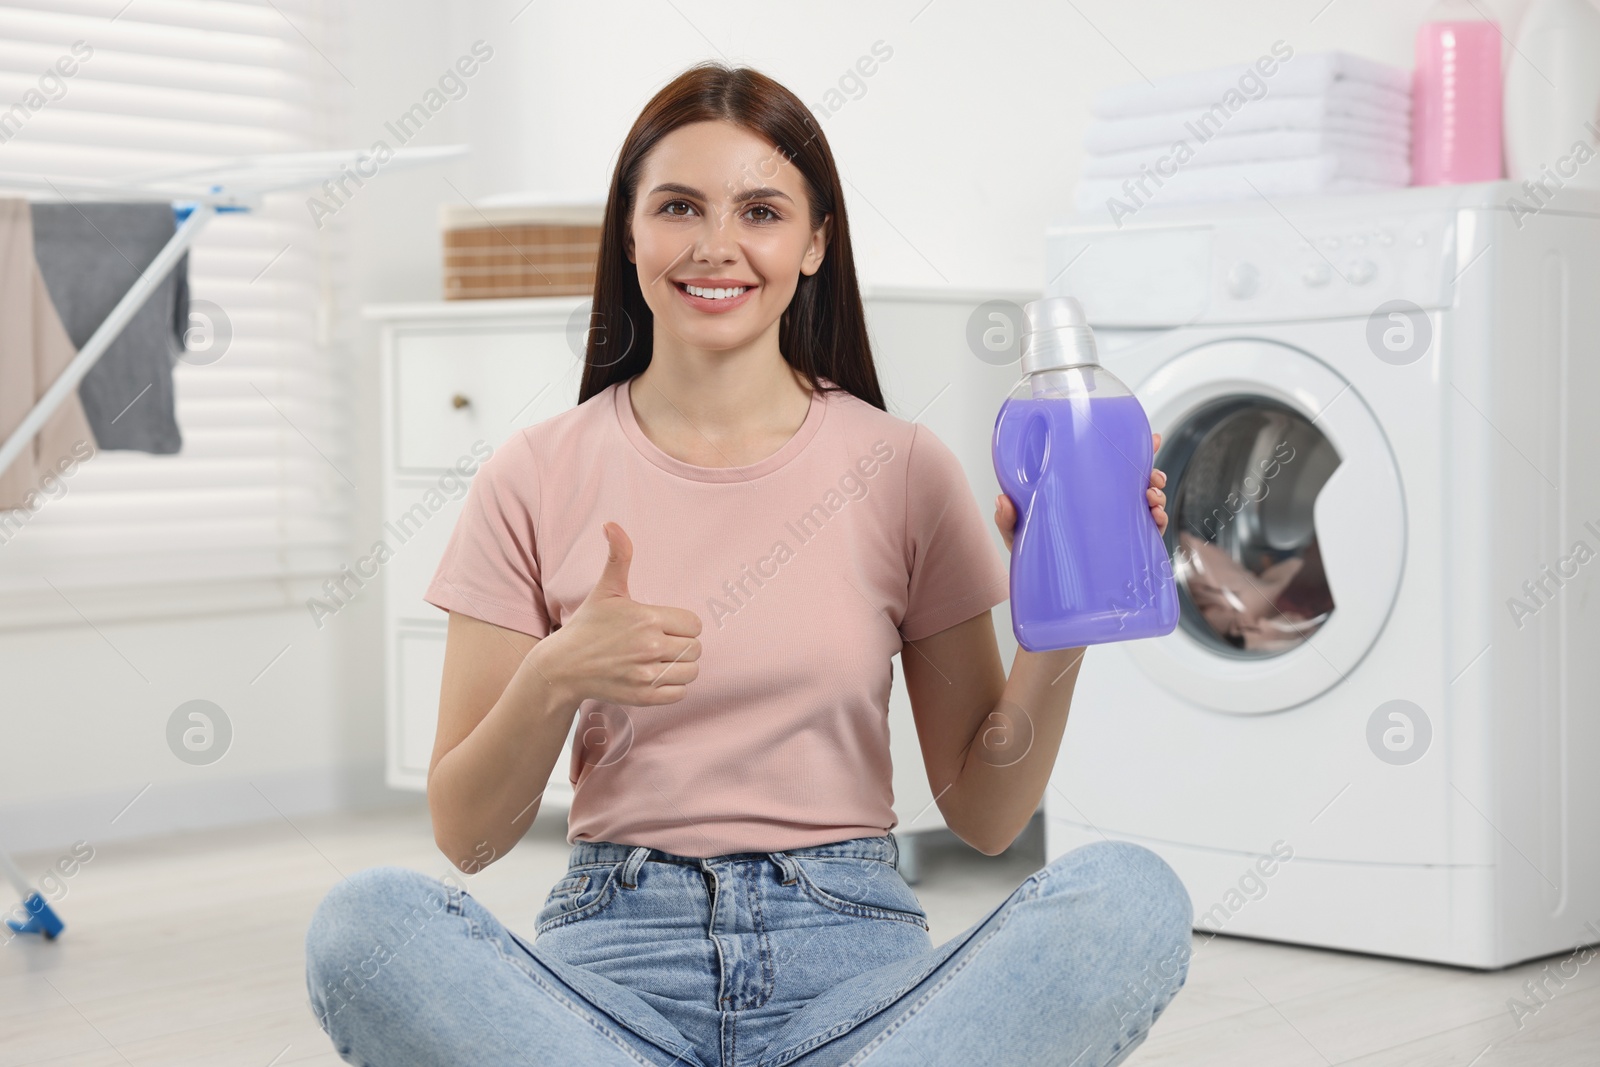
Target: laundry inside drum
x,y
1244,473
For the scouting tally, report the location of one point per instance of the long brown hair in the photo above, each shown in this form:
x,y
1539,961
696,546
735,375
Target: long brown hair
x,y
823,331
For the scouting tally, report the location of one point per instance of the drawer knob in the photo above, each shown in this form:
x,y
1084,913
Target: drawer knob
x,y
459,401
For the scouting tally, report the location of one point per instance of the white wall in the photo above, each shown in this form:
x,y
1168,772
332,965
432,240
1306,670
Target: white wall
x,y
86,753
963,145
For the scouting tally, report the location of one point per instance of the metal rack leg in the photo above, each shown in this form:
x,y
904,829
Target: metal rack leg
x,y
41,919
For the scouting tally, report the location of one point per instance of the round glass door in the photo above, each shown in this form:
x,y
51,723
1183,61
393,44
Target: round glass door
x,y
1243,477
1286,525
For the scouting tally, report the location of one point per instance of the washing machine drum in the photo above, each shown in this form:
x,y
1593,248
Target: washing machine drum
x,y
1245,474
1286,525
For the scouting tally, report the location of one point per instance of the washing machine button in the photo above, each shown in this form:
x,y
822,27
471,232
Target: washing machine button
x,y
1243,280
1362,271
1316,275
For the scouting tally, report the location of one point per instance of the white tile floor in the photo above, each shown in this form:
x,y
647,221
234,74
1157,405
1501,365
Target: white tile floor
x,y
189,951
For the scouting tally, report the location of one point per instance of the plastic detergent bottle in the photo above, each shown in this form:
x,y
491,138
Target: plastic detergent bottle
x,y
1072,450
1456,97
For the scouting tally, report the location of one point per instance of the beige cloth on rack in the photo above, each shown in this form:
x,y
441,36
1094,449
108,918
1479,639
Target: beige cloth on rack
x,y
34,350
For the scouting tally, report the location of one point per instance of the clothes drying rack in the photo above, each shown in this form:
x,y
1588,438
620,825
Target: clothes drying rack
x,y
197,194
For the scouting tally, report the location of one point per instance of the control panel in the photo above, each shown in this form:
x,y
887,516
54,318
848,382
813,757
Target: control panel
x,y
1255,264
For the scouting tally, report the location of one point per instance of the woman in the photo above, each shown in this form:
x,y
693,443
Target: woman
x,y
732,897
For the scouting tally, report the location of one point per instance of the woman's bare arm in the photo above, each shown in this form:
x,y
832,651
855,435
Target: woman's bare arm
x,y
503,724
508,699
989,739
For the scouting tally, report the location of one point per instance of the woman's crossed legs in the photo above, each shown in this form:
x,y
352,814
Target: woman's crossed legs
x,y
1072,969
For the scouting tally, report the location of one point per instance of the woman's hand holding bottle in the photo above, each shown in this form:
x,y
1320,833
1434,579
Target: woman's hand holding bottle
x,y
1005,514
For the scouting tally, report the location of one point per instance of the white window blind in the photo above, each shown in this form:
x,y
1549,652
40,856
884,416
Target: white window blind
x,y
262,488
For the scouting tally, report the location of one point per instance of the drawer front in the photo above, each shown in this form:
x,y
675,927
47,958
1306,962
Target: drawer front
x,y
414,718
457,387
418,673
417,557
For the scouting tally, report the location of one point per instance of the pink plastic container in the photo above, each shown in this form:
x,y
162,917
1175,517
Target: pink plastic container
x,y
1455,99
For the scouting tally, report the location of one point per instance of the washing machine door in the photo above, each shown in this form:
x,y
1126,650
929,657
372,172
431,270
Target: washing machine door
x,y
1286,529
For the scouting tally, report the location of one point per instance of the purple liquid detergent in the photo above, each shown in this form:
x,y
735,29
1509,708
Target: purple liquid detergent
x,y
1072,451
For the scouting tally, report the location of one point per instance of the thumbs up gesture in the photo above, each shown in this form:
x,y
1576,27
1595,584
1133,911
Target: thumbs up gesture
x,y
624,652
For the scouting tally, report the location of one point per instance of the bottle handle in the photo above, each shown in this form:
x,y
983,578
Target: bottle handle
x,y
1019,483
1015,482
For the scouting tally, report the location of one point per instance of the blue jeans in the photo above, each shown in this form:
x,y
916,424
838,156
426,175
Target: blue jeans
x,y
811,957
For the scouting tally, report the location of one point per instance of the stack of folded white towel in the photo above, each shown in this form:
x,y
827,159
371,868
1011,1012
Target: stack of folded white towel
x,y
1323,123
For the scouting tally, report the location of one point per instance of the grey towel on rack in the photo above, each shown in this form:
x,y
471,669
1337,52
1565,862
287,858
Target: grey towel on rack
x,y
90,254
34,350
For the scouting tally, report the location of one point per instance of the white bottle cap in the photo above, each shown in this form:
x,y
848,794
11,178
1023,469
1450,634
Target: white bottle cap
x,y
1056,334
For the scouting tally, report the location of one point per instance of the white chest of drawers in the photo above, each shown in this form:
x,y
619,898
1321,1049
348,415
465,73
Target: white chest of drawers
x,y
457,379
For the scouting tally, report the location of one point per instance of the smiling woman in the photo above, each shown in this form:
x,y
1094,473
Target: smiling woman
x,y
732,895
730,187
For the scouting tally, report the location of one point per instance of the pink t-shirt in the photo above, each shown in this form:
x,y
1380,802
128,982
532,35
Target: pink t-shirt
x,y
807,569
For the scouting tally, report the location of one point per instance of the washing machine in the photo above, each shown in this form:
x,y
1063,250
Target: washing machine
x,y
1377,724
